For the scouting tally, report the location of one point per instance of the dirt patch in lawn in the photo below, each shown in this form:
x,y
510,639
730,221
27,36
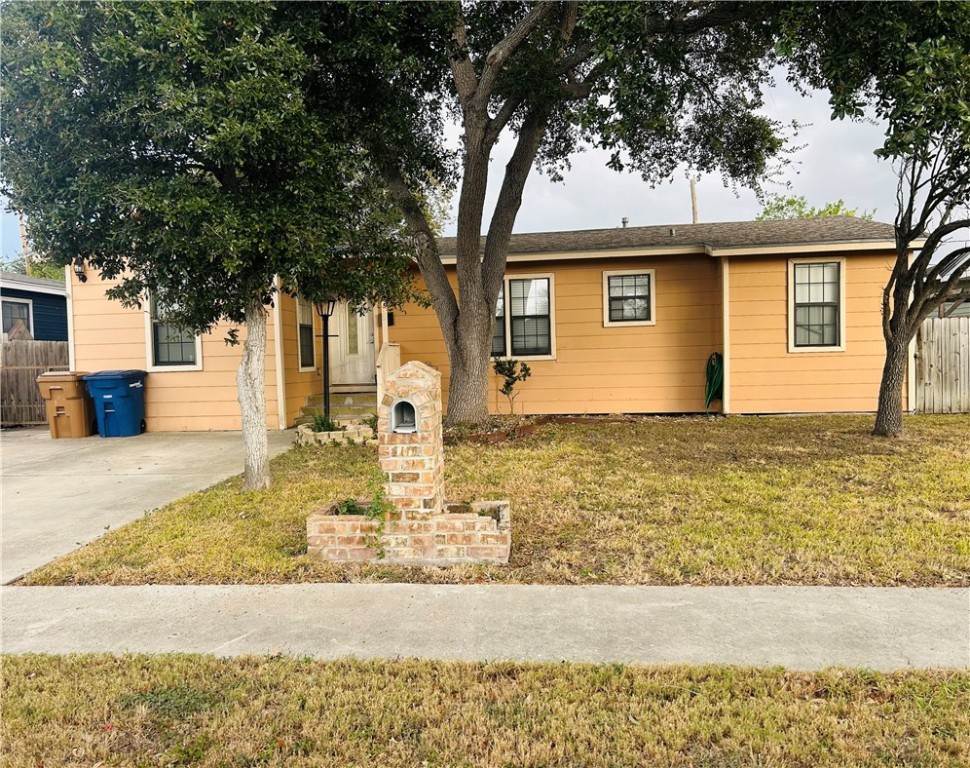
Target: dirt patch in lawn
x,y
743,500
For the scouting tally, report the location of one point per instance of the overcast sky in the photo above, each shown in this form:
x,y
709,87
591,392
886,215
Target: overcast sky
x,y
836,162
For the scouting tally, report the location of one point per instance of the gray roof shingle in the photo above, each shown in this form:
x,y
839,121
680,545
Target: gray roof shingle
x,y
830,229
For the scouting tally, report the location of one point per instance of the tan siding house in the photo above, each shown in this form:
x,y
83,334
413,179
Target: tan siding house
x,y
195,388
610,321
792,306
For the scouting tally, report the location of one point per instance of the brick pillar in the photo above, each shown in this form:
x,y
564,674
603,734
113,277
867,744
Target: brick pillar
x,y
413,461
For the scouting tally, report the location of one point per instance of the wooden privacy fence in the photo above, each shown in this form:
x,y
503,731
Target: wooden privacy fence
x,y
21,362
943,366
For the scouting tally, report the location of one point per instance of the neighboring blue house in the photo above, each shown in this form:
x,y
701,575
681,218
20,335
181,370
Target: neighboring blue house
x,y
40,304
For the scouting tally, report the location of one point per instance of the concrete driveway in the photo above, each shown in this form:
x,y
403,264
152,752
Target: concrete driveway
x,y
59,494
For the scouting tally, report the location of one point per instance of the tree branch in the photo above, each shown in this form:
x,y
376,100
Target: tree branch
x,y
501,51
497,124
509,200
462,69
429,261
721,15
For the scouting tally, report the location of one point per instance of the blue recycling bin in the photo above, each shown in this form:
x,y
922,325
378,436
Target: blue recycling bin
x,y
119,402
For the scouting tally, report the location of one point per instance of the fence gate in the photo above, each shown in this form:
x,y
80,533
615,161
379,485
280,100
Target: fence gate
x,y
21,362
943,366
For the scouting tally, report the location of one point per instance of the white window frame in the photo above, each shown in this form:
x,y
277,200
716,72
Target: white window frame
x,y
840,347
313,324
150,365
607,323
30,312
508,317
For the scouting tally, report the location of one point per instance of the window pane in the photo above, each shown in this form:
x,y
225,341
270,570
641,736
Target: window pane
x,y
172,344
498,338
816,312
304,317
352,340
307,349
529,321
13,311
498,333
529,297
530,336
629,297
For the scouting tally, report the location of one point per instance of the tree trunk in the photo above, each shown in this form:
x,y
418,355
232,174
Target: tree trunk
x,y
469,350
251,383
889,417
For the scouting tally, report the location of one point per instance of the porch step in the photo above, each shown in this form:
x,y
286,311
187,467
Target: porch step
x,y
346,402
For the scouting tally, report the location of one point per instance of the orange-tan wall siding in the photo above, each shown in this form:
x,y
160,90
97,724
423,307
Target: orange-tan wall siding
x,y
641,369
767,378
299,384
107,336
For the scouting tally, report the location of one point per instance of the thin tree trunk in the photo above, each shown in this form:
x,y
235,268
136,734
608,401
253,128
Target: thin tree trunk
x,y
251,383
889,417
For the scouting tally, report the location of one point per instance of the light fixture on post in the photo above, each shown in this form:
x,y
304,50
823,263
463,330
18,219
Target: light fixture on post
x,y
325,309
79,271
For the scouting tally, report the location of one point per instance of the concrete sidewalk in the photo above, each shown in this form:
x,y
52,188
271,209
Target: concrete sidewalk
x,y
60,494
796,627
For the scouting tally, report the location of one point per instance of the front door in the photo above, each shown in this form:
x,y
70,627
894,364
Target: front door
x,y
352,347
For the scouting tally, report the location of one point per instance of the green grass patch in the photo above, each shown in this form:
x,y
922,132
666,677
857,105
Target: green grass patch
x,y
744,500
203,711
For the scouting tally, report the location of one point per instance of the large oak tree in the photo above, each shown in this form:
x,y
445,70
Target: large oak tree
x,y
659,85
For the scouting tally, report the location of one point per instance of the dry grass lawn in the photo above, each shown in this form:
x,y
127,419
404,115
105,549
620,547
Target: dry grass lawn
x,y
813,500
201,711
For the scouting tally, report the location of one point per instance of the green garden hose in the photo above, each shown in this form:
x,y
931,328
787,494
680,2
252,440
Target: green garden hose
x,y
715,380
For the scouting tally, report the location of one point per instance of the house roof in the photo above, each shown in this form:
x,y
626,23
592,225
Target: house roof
x,y
830,230
36,284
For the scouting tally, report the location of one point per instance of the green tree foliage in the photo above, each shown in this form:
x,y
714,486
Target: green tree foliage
x,y
658,85
186,150
796,207
909,65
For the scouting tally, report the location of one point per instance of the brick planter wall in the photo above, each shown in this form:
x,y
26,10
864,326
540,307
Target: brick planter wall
x,y
480,536
422,529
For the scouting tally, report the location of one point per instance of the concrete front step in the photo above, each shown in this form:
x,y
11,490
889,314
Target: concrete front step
x,y
343,405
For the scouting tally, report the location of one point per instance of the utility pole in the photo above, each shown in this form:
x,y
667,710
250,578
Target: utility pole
x,y
23,244
693,198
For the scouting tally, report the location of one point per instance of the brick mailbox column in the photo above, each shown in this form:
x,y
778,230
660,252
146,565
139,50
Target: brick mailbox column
x,y
409,440
422,529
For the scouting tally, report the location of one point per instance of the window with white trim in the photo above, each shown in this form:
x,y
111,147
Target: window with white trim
x,y
628,297
523,324
171,346
17,309
304,329
816,305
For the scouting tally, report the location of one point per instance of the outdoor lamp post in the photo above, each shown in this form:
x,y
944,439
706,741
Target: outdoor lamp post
x,y
325,310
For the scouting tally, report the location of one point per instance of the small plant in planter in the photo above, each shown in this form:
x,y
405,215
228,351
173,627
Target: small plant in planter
x,y
512,371
323,423
375,508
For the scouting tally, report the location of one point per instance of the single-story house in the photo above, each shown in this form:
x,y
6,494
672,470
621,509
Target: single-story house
x,y
610,321
33,307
